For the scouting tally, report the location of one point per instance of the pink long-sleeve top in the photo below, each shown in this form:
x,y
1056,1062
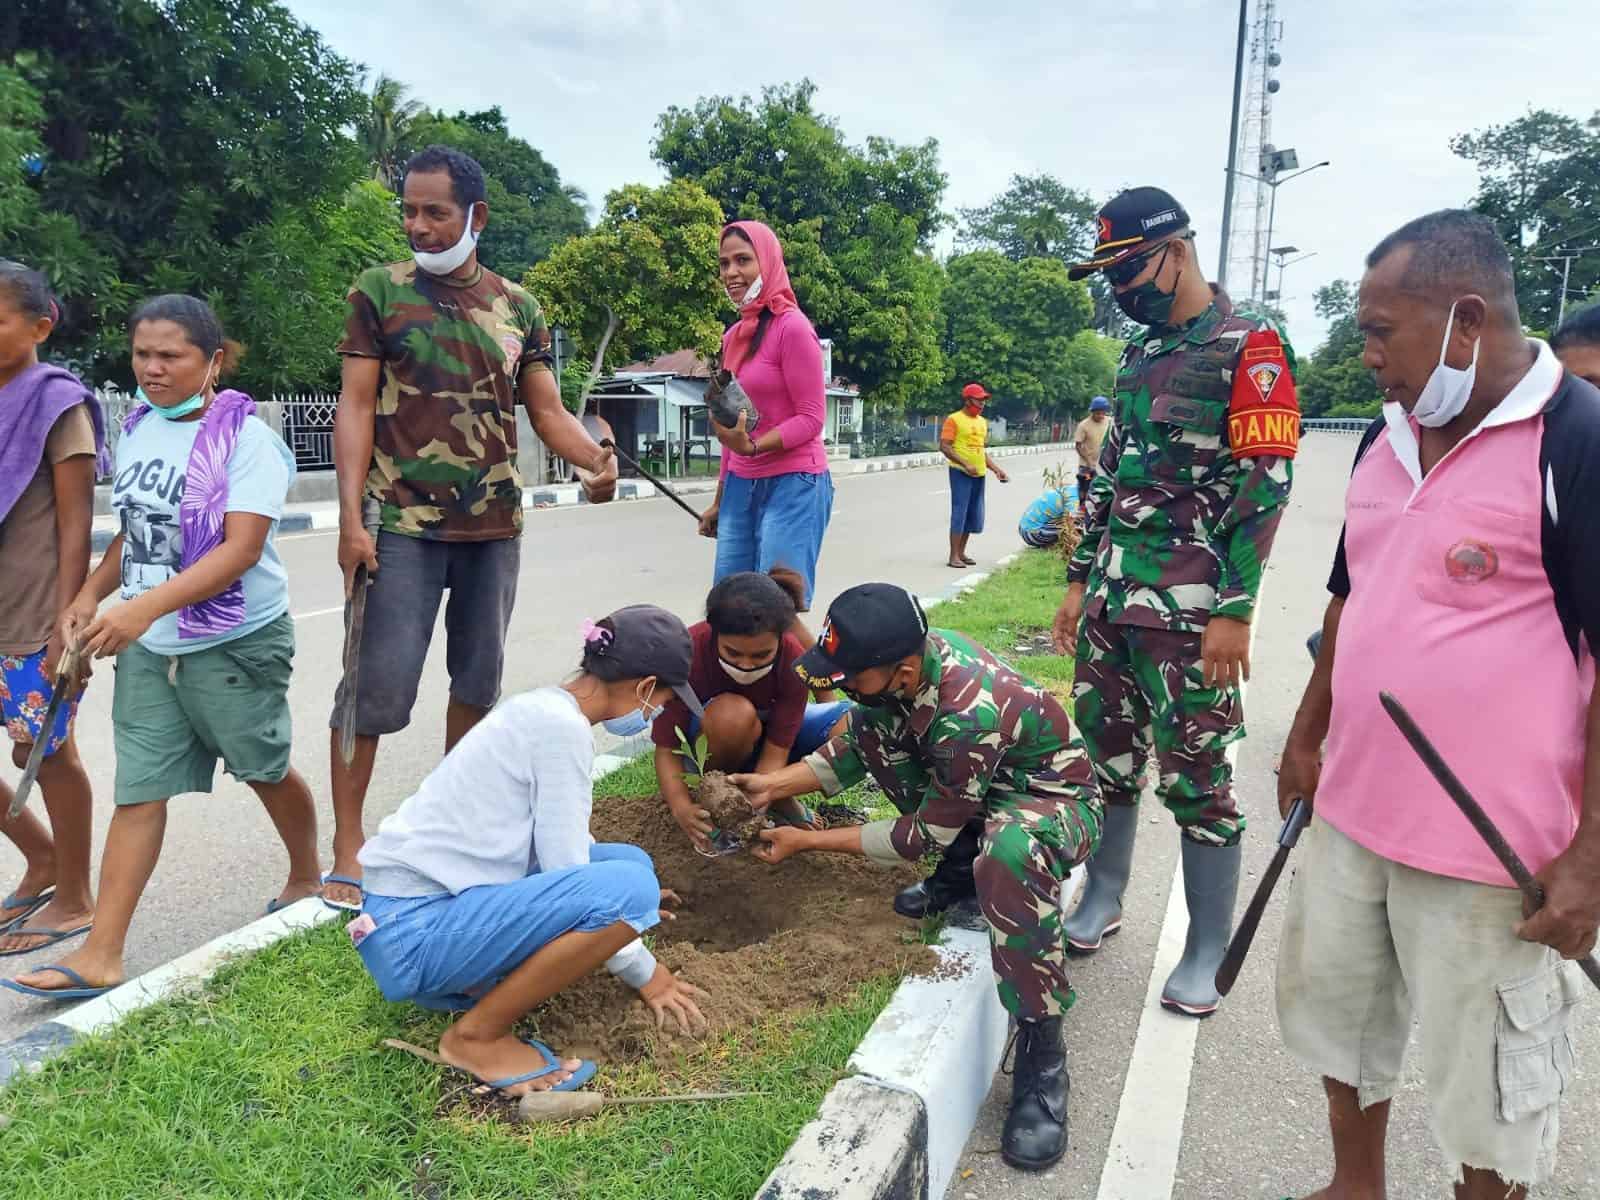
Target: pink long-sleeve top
x,y
784,378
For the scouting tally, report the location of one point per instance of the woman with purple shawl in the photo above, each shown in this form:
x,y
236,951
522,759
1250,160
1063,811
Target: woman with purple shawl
x,y
52,436
201,633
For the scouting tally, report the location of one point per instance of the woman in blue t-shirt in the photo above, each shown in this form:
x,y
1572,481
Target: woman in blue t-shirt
x,y
201,632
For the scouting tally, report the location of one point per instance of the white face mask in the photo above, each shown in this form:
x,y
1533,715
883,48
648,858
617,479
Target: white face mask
x,y
1449,388
751,293
739,675
443,262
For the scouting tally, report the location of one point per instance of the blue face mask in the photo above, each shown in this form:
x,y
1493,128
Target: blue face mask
x,y
634,723
183,408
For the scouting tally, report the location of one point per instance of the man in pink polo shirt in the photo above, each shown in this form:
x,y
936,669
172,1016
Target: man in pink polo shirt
x,y
1467,582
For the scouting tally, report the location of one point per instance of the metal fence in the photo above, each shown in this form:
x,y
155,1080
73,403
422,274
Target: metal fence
x,y
307,428
1336,424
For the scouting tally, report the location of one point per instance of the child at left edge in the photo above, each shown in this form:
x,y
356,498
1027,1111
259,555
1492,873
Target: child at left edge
x,y
52,439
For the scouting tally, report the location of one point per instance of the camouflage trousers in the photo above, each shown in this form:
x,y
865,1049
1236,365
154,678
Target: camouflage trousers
x,y
1030,843
1138,689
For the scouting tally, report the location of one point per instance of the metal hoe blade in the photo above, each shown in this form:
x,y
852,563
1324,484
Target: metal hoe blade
x,y
352,664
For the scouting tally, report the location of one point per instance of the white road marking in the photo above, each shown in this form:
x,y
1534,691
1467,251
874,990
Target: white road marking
x,y
1142,1159
318,612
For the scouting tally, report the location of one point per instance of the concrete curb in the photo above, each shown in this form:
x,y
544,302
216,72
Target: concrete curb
x,y
299,518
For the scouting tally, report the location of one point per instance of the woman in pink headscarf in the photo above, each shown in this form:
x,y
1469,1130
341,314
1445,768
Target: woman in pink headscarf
x,y
775,495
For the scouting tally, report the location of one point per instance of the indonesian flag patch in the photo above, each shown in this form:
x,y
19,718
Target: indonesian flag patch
x,y
1264,411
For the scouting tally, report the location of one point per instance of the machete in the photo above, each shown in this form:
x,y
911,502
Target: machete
x,y
1245,933
66,676
665,490
354,623
1473,811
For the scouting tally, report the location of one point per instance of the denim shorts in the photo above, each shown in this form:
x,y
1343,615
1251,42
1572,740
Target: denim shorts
x,y
814,727
966,502
773,522
444,951
403,603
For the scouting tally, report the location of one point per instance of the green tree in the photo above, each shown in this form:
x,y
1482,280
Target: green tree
x,y
530,210
1333,382
1037,216
386,126
647,259
293,273
1015,326
172,131
856,223
83,276
1539,181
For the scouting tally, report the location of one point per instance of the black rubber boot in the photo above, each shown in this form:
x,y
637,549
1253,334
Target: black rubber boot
x,y
951,881
1035,1135
1210,885
1099,911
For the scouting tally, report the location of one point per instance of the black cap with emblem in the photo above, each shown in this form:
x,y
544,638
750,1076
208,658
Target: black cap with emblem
x,y
1135,219
870,625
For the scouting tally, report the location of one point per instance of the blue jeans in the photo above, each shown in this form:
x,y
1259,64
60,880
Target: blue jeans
x,y
445,951
775,522
814,727
966,502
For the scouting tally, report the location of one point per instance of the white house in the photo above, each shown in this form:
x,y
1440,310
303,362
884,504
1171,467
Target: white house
x,y
657,412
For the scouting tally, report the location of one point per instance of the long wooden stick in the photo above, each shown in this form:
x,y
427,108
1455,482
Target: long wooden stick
x,y
1473,811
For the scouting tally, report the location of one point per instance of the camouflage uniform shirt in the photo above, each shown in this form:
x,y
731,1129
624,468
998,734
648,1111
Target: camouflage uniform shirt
x,y
978,739
445,437
1179,524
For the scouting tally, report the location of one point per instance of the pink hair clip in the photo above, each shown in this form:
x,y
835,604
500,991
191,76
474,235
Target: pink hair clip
x,y
596,637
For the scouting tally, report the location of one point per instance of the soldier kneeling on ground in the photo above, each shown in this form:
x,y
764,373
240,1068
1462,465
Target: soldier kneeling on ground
x,y
982,763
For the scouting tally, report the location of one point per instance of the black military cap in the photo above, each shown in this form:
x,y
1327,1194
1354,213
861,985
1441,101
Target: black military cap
x,y
1136,218
870,625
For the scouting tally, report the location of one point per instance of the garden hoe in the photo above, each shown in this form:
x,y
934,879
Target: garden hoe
x,y
543,1108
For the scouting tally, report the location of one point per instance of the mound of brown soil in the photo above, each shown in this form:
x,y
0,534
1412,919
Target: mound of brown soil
x,y
729,807
761,940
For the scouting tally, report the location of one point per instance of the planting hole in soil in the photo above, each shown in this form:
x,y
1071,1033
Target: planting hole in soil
x,y
761,940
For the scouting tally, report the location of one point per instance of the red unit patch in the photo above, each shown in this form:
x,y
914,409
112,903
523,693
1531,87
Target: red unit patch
x,y
1263,411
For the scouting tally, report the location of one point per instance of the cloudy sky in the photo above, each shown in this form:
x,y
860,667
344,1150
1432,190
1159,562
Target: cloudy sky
x,y
1102,97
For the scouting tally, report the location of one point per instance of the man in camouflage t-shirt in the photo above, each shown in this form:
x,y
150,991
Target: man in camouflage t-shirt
x,y
953,735
1192,483
438,351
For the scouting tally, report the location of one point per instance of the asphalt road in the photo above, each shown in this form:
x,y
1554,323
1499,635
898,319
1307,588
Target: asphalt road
x,y
222,861
1231,1117
1239,1119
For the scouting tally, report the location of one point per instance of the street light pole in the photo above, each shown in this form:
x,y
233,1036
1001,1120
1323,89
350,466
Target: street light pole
x,y
1233,145
1273,182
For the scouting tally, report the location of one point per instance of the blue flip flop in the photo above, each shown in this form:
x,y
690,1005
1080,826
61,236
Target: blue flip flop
x,y
28,904
82,989
51,936
572,1083
334,904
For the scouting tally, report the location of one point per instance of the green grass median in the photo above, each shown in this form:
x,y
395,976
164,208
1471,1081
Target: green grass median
x,y
272,1081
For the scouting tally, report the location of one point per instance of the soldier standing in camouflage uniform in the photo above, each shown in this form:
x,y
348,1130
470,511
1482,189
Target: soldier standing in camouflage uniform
x,y
437,353
1193,482
952,734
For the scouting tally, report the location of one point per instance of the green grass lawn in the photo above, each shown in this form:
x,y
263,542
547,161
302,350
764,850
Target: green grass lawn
x,y
1017,599
272,1081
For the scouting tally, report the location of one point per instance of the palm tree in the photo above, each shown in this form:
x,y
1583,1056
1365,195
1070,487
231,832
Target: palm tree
x,y
386,126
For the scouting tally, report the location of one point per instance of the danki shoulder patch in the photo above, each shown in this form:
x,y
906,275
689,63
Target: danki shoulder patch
x,y
1264,410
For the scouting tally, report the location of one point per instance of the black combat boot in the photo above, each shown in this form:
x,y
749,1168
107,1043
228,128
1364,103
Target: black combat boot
x,y
951,881
1035,1135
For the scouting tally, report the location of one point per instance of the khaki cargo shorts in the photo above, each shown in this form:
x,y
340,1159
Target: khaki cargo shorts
x,y
1369,943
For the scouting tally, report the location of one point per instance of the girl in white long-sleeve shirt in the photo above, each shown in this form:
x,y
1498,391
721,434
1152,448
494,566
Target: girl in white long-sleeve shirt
x,y
486,892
